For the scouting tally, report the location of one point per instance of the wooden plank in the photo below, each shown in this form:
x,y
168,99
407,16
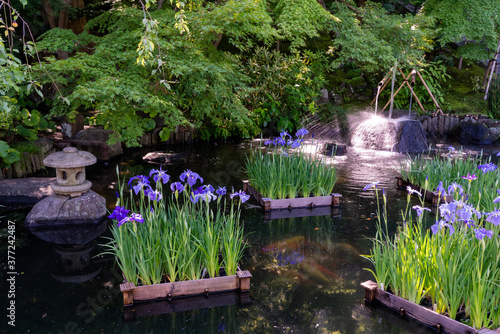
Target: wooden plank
x,y
133,294
185,304
186,288
424,315
290,203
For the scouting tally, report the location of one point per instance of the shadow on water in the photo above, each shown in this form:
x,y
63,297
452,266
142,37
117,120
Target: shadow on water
x,y
306,271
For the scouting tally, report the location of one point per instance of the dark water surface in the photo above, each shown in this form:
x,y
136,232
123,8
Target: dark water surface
x,y
306,271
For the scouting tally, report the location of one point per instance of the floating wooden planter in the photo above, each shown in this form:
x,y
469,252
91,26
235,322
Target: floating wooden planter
x,y
405,308
291,203
430,196
334,212
205,286
185,304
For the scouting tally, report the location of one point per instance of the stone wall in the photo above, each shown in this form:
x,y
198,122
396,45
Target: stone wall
x,y
29,163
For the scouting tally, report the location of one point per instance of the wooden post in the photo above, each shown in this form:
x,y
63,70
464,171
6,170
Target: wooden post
x,y
370,290
336,199
128,293
267,203
244,277
245,185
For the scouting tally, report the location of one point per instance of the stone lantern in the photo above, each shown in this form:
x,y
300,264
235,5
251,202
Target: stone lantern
x,y
70,170
73,202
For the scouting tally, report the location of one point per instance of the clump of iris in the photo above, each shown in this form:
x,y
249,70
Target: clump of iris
x,y
449,263
172,228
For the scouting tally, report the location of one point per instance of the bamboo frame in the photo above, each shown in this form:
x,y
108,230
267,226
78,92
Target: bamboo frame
x,y
405,81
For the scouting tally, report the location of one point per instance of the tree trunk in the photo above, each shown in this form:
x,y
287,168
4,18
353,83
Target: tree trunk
x,y
460,63
61,19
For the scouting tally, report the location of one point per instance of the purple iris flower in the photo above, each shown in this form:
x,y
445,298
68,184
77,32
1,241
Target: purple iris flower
x,y
440,189
454,187
413,191
283,134
141,185
154,195
301,132
494,217
420,209
496,200
119,213
160,174
280,141
208,196
371,185
482,232
177,186
470,177
134,217
221,191
191,177
194,198
439,225
489,167
498,154
269,141
451,148
242,195
141,178
295,144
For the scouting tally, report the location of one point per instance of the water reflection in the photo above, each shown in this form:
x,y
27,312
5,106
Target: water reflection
x,y
306,270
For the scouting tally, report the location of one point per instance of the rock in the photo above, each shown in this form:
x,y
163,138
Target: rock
x,y
336,98
45,145
95,134
468,133
25,192
323,96
332,148
57,210
163,157
70,235
70,129
410,137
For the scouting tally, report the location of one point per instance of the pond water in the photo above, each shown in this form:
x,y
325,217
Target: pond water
x,y
306,271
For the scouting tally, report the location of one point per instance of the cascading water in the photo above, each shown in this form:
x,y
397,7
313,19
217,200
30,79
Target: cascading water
x,y
379,133
376,132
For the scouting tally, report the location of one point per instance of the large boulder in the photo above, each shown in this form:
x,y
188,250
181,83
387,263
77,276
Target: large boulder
x,y
164,158
25,192
58,210
410,137
99,135
469,133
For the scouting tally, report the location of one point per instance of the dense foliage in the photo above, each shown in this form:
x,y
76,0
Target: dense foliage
x,y
224,68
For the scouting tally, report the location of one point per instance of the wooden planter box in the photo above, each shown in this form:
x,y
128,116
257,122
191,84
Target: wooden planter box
x,y
185,304
430,196
441,323
205,286
290,203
